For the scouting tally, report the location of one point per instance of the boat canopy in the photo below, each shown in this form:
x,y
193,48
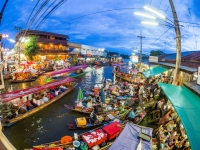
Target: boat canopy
x,y
154,71
128,139
66,70
187,106
6,97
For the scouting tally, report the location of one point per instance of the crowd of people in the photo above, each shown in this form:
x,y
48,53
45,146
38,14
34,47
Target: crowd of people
x,y
26,103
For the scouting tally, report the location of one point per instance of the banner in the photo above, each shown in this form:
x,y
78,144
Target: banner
x,y
198,76
153,59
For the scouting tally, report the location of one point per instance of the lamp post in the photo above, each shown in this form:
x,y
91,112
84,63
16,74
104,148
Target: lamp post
x,y
174,24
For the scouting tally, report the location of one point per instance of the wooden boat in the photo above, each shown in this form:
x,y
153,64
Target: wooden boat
x,y
56,144
75,75
74,125
129,104
125,78
23,75
20,81
57,72
11,96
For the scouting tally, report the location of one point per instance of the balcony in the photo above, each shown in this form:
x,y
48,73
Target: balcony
x,y
53,51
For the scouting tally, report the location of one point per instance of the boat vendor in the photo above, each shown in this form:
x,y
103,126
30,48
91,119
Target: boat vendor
x,y
93,117
89,104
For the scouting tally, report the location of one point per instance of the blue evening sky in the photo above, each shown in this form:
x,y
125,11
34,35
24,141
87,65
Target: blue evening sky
x,y
115,30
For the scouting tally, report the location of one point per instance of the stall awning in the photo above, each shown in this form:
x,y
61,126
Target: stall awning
x,y
129,140
187,106
154,71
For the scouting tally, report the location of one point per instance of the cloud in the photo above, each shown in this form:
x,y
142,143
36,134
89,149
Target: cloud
x,y
115,30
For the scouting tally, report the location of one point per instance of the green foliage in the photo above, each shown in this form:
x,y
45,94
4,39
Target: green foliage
x,y
31,47
156,52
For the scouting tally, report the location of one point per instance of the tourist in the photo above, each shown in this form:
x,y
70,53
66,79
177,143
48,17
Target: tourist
x,y
21,106
45,98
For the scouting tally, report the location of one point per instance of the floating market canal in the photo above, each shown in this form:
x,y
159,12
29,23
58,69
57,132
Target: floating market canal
x,y
50,124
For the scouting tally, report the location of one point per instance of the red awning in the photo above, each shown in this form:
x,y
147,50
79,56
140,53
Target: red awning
x,y
6,97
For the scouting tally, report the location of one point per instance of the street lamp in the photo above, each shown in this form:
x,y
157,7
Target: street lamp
x,y
175,24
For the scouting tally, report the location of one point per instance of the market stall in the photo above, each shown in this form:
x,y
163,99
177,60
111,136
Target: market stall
x,y
186,104
154,71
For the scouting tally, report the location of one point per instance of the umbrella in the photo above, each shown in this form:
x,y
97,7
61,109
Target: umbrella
x,y
102,95
80,95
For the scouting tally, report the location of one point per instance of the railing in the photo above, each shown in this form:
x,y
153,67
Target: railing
x,y
54,51
4,143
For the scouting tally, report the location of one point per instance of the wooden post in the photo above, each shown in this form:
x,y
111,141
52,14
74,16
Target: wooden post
x,y
178,42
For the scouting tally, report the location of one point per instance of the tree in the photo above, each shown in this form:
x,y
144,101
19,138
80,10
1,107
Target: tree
x,y
156,52
31,47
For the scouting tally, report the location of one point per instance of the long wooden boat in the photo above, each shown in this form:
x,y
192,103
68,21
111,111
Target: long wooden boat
x,y
20,81
8,97
57,144
125,78
130,103
75,126
75,75
66,70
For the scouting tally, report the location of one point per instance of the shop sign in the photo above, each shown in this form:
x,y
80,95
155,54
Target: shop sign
x,y
198,76
153,59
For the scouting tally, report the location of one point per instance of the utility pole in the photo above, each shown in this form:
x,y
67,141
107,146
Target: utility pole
x,y
141,37
178,43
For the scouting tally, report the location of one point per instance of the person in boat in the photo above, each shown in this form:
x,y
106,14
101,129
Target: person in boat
x,y
45,98
21,106
63,88
50,95
57,91
93,117
40,100
29,106
33,102
117,105
89,104
98,99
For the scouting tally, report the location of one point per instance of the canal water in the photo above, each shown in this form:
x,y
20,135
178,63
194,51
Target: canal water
x,y
50,124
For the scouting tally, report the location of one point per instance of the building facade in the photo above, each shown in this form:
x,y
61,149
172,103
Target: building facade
x,y
53,45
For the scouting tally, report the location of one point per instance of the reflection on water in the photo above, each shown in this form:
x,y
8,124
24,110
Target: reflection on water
x,y
50,124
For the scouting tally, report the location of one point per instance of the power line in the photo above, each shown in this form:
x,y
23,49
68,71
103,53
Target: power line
x,y
189,22
36,14
32,12
45,11
100,12
160,36
52,10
